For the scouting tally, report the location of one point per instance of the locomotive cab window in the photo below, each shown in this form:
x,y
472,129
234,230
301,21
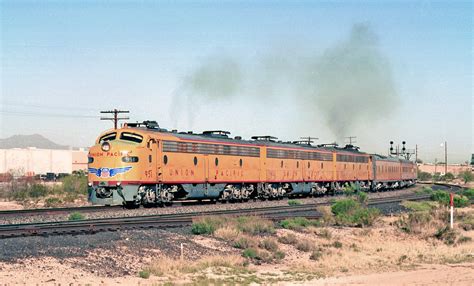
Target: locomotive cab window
x,y
108,137
133,137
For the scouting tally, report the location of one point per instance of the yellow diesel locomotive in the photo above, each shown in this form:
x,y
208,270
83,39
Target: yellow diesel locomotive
x,y
143,164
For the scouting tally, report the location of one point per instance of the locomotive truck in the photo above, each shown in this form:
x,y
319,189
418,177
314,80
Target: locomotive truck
x,y
143,164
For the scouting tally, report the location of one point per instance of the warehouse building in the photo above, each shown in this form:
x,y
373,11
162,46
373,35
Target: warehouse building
x,y
32,161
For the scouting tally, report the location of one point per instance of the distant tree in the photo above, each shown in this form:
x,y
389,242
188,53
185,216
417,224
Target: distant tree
x,y
419,161
448,177
436,177
424,176
466,176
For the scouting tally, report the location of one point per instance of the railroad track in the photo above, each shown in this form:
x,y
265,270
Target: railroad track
x,y
92,209
173,220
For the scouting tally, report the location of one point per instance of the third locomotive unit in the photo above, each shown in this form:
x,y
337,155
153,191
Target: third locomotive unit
x,y
142,164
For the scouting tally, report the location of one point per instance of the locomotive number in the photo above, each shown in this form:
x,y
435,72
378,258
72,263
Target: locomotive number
x,y
148,173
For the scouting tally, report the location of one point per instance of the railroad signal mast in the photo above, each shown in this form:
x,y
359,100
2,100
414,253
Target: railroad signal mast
x,y
401,152
115,117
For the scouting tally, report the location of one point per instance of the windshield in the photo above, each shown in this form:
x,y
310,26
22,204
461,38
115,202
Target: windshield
x,y
127,136
108,137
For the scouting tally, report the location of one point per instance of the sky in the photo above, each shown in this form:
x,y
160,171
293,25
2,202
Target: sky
x,y
377,70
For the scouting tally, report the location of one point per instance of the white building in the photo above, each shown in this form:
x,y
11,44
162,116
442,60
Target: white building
x,y
32,161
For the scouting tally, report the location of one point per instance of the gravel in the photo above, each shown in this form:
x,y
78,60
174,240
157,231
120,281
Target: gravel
x,y
187,209
110,254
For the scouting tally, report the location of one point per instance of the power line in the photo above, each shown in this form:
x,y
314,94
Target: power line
x,y
36,114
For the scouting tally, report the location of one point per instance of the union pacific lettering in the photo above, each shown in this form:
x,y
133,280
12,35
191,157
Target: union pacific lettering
x,y
181,172
105,154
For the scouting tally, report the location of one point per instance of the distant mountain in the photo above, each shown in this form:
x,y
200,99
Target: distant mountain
x,y
24,141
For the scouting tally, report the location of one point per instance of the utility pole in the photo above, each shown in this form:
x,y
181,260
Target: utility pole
x,y
416,157
115,113
445,157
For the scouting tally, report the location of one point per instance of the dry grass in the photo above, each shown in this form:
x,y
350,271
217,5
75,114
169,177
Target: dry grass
x,y
166,266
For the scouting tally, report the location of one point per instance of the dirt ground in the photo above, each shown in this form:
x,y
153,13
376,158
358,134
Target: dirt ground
x,y
51,272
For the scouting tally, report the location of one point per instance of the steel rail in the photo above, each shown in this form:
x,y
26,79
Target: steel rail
x,y
172,220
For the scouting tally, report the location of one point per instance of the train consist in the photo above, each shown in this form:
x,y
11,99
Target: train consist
x,y
142,164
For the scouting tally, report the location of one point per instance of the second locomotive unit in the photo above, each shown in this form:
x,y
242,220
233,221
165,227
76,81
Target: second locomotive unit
x,y
142,164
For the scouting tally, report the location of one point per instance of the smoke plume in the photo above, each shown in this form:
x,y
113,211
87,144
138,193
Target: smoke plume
x,y
350,84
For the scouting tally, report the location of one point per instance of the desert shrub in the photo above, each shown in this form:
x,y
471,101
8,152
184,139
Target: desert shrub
x,y
145,274
327,215
227,233
316,254
52,202
414,222
304,245
418,206
243,242
255,225
76,216
349,212
288,238
279,255
293,202
337,244
351,189
463,239
467,222
250,253
325,233
206,225
269,244
298,223
446,234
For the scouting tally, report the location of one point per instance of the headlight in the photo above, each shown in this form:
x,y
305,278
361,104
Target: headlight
x,y
89,184
118,184
105,146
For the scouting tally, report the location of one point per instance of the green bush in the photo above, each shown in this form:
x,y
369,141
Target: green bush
x,y
76,216
294,202
362,198
75,184
145,274
467,176
418,206
297,223
250,253
415,222
349,212
37,190
469,193
443,198
206,225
